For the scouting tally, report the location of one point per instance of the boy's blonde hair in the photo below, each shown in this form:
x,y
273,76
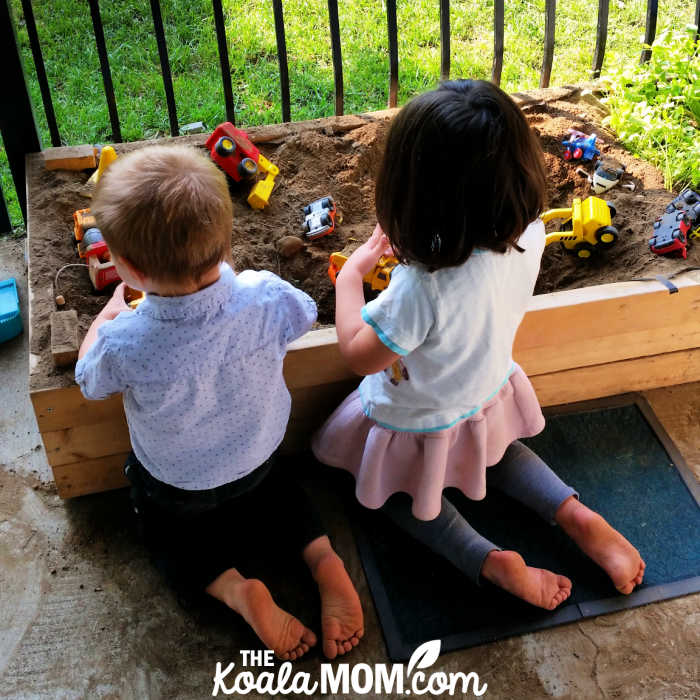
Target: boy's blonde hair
x,y
167,210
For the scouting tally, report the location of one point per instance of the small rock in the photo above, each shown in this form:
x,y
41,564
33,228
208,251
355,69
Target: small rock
x,y
289,246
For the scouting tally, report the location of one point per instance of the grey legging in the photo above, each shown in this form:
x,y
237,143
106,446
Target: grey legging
x,y
521,474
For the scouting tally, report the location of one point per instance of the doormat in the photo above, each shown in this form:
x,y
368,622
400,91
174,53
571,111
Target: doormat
x,y
617,455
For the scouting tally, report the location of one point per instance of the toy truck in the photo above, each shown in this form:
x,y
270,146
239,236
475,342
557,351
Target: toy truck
x,y
590,226
93,248
580,146
677,225
374,281
319,218
232,150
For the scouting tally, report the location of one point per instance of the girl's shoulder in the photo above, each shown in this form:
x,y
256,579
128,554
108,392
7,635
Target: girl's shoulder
x,y
533,235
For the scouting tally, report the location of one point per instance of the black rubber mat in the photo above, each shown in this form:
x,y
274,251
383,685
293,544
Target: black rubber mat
x,y
617,455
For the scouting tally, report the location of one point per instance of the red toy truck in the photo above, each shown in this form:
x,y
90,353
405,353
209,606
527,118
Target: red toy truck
x,y
675,226
232,150
91,246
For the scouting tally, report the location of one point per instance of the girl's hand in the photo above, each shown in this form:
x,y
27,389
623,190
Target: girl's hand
x,y
366,256
116,304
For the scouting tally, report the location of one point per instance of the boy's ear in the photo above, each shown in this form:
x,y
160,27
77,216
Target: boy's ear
x,y
133,270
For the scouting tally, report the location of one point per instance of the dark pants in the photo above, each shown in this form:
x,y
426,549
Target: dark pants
x,y
194,536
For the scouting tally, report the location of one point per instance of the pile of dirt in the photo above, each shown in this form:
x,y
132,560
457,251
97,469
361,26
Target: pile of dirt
x,y
315,163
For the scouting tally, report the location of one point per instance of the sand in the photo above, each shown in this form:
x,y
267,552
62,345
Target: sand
x,y
316,163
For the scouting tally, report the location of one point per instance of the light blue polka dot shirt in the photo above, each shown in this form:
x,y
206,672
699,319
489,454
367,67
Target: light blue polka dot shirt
x,y
201,376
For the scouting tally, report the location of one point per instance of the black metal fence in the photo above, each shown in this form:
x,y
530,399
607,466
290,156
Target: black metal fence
x,y
18,126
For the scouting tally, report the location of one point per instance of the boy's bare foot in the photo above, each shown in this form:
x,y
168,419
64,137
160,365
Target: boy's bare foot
x,y
602,543
342,621
251,599
537,586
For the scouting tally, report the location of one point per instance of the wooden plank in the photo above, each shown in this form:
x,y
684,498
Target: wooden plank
x,y
678,409
563,330
311,405
315,359
70,158
84,442
64,337
639,374
91,476
57,409
607,323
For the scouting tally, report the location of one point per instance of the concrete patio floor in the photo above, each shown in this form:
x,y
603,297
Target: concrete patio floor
x,y
83,614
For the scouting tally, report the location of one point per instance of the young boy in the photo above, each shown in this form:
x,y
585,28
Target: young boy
x,y
199,364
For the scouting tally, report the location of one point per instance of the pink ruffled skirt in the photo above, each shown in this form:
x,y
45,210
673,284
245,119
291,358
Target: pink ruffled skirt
x,y
385,461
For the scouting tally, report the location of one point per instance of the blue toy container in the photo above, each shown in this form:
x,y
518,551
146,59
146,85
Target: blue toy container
x,y
10,319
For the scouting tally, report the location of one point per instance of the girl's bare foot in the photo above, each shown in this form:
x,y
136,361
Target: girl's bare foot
x,y
251,599
342,621
602,543
537,586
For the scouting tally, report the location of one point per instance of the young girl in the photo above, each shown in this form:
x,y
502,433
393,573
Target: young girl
x,y
458,195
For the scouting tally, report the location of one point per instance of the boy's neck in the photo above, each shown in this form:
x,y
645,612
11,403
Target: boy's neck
x,y
170,289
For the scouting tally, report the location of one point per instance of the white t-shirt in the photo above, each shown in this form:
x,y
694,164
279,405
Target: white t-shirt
x,y
454,329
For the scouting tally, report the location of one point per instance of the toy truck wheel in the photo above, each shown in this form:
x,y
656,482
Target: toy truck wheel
x,y
606,236
584,250
326,202
613,209
247,168
578,152
225,146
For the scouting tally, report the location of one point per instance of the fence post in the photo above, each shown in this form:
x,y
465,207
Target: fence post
x,y
282,59
41,72
601,37
17,123
104,67
337,56
497,68
392,30
650,31
549,29
5,223
223,59
444,39
165,66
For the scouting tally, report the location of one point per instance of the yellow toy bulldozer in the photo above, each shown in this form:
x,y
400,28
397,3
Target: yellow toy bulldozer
x,y
374,281
591,227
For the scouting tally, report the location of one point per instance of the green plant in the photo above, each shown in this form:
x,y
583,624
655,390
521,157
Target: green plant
x,y
655,107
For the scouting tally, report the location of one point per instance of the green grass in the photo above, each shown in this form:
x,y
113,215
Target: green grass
x,y
65,32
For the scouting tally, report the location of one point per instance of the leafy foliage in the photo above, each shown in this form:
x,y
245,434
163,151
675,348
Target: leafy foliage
x,y
655,106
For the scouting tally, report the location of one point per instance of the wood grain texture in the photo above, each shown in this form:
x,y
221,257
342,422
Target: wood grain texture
x,y
90,476
85,442
70,158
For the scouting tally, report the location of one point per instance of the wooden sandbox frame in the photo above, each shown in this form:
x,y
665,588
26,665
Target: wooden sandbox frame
x,y
575,345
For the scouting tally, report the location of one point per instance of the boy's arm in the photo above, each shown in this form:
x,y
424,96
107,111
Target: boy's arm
x,y
113,308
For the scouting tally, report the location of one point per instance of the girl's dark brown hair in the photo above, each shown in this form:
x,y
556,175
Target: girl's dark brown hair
x,y
461,170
